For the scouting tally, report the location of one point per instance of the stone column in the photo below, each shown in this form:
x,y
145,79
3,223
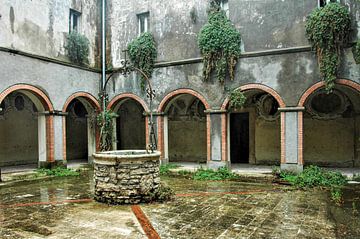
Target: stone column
x,y
160,130
292,138
216,138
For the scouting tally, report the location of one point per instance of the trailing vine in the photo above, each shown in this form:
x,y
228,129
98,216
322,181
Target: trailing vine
x,y
327,28
105,123
219,43
142,52
357,52
77,47
237,99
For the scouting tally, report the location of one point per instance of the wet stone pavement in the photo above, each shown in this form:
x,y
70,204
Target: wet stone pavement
x,y
63,208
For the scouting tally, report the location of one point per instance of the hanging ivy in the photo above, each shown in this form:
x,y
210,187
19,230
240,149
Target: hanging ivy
x,y
237,99
219,43
357,52
327,28
105,123
142,52
77,47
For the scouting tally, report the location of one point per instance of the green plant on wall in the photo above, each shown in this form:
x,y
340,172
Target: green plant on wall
x,y
142,52
357,52
237,99
77,47
219,43
105,123
327,28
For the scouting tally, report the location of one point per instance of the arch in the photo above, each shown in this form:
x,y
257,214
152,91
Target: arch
x,y
42,102
120,97
89,98
172,94
44,99
265,88
321,84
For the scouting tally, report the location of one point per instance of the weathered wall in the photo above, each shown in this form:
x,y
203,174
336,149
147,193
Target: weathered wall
x,y
265,25
40,27
130,126
267,142
187,141
18,131
57,81
329,142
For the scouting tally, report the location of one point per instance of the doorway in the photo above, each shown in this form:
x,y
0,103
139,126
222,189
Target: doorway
x,y
239,137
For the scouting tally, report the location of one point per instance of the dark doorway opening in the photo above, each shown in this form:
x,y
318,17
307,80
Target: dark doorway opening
x,y
239,137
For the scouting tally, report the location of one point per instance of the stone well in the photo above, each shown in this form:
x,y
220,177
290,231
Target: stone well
x,y
126,176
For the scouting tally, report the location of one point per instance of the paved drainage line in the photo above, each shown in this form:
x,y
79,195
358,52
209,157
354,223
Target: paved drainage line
x,y
145,222
45,203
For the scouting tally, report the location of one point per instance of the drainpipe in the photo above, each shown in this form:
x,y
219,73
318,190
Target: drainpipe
x,y
103,53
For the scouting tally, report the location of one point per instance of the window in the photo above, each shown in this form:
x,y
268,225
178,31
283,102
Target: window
x,y
74,20
143,22
224,5
322,3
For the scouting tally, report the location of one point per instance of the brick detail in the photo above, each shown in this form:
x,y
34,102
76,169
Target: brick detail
x,y
160,126
90,98
224,147
123,96
50,138
36,91
265,88
282,138
321,84
208,137
167,98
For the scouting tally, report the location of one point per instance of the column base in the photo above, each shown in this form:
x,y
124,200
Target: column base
x,y
217,164
296,168
164,161
50,165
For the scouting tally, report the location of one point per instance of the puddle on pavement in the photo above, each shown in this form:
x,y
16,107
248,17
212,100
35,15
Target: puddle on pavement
x,y
203,209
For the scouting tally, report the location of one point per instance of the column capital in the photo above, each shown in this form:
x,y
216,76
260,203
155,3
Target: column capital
x,y
291,109
215,111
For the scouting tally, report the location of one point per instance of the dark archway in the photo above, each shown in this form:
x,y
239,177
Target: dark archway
x,y
77,131
130,125
19,131
186,129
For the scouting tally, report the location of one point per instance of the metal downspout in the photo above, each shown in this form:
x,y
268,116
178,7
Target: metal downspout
x,y
103,53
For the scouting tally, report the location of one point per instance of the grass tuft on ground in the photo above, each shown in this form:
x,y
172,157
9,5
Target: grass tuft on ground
x,y
57,172
165,168
222,173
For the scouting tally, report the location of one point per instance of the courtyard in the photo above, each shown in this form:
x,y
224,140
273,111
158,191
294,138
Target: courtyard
x,y
256,208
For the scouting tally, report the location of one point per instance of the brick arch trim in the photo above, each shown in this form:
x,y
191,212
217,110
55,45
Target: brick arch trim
x,y
45,100
174,93
321,84
123,96
265,88
89,97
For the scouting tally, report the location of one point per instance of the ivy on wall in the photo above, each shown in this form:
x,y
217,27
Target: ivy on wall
x,y
237,99
77,47
142,52
327,28
357,52
105,123
219,44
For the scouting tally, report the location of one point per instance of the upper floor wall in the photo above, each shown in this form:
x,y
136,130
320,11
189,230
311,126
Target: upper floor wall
x,y
264,24
40,27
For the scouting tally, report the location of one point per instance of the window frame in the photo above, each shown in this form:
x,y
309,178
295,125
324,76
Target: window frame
x,y
73,13
143,20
